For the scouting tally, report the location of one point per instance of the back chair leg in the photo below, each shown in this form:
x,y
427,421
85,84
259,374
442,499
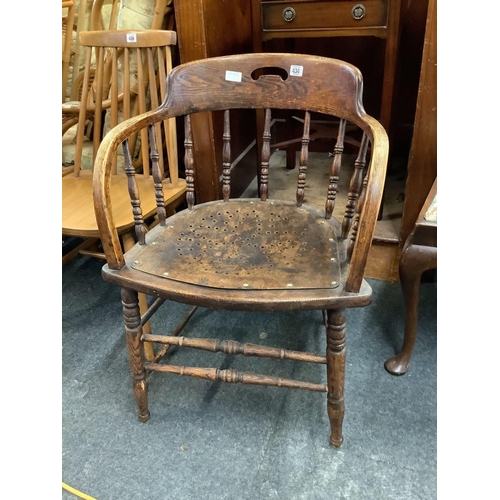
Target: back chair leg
x,y
135,346
335,371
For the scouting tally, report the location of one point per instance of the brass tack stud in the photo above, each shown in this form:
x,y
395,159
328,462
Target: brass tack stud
x,y
333,258
245,284
289,284
136,262
165,274
334,282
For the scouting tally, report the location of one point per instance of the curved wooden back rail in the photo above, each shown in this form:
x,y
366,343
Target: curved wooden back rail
x,y
248,254
148,49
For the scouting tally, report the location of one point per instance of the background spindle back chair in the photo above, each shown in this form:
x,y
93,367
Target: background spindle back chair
x,y
122,53
250,254
122,49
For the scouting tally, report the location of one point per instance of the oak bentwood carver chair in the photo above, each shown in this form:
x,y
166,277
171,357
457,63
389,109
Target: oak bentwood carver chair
x,y
250,254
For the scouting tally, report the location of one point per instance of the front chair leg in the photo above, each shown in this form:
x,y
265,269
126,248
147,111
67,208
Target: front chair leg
x,y
335,371
135,346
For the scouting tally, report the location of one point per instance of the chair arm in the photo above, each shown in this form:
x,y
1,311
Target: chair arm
x,y
371,206
102,180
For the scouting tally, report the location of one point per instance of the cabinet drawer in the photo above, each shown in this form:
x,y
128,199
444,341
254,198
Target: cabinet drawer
x,y
333,14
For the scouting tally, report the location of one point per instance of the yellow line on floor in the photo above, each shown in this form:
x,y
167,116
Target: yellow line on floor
x,y
77,493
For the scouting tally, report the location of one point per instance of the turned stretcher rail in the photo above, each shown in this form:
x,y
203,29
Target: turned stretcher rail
x,y
233,376
233,347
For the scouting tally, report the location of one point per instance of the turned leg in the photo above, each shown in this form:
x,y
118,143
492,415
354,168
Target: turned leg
x,y
128,243
135,346
335,372
415,259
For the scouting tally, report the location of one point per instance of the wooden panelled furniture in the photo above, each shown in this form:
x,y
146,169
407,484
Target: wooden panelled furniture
x,y
419,255
202,29
419,232
249,254
295,19
422,161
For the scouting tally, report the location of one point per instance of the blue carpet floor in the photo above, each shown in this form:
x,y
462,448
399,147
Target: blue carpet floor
x,y
226,441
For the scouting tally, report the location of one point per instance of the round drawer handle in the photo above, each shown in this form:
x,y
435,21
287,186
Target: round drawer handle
x,y
289,14
358,12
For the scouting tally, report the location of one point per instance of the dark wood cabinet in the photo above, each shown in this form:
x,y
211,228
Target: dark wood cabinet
x,y
422,162
305,19
386,44
209,28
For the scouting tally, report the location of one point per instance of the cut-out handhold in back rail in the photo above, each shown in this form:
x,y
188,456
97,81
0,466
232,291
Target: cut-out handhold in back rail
x,y
271,71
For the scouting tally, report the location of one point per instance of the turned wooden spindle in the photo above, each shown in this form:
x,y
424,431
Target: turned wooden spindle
x,y
157,177
235,348
114,99
140,227
226,157
335,372
164,67
188,161
135,347
233,376
304,153
141,97
153,97
355,224
99,97
335,170
355,186
266,154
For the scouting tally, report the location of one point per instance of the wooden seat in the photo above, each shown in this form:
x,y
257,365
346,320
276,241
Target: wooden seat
x,y
250,254
419,255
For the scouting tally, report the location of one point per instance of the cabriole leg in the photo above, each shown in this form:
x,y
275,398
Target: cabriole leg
x,y
335,371
135,346
414,261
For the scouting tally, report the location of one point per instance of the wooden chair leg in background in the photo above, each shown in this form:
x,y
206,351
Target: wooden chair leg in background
x,y
415,260
128,243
